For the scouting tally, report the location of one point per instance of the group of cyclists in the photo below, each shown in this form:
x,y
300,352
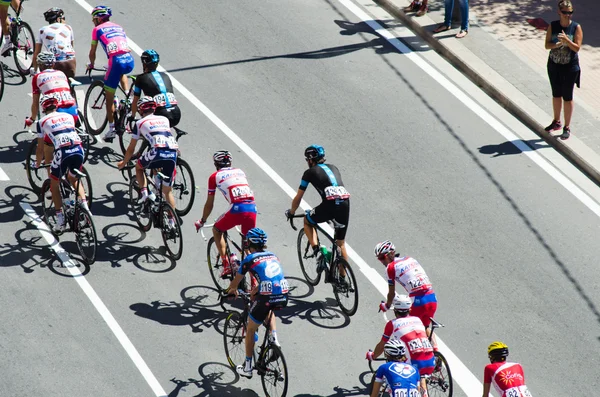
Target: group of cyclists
x,y
406,338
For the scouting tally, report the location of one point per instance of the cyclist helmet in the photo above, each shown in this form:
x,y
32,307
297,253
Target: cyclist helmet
x,y
45,58
402,303
497,350
257,236
53,14
146,104
48,102
384,248
150,57
314,152
102,12
394,348
222,158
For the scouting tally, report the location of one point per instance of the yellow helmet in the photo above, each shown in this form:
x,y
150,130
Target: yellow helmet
x,y
498,349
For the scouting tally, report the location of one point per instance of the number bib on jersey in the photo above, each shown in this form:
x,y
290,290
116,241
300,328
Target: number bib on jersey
x,y
417,283
62,96
336,193
406,393
168,142
419,344
241,193
161,99
117,46
517,391
64,140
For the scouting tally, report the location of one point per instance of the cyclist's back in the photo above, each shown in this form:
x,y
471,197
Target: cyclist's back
x,y
327,180
157,85
508,379
402,378
411,331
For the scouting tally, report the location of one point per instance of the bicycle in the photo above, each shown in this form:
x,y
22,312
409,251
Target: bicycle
x,y
77,217
270,364
439,383
23,41
1,80
345,289
157,213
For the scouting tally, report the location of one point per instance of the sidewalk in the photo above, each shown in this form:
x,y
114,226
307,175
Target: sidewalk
x,y
505,55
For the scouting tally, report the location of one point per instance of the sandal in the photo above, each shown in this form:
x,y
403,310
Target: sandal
x,y
462,34
441,28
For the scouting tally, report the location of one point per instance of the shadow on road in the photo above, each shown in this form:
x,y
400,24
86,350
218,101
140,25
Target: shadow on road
x,y
216,380
509,147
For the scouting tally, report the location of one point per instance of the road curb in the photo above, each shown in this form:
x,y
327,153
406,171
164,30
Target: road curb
x,y
492,91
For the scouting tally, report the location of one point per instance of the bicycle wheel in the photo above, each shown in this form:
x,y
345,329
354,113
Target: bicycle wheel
x,y
94,108
345,289
273,372
35,176
84,136
124,140
87,185
48,210
85,234
1,80
25,43
215,266
171,230
140,211
307,259
440,381
234,334
184,187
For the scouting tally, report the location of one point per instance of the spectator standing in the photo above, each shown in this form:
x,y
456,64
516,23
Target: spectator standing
x,y
418,6
464,18
563,39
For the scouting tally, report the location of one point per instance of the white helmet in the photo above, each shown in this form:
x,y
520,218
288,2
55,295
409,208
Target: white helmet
x,y
384,247
394,348
402,303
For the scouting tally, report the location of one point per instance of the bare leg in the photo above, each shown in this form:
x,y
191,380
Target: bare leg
x,y
569,107
81,190
56,198
220,242
110,106
252,327
140,175
311,233
556,107
124,83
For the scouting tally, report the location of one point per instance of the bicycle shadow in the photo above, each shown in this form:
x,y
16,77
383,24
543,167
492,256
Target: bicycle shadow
x,y
363,390
216,380
12,76
17,153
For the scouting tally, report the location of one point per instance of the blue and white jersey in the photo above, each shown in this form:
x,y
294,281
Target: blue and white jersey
x,y
402,379
156,130
266,268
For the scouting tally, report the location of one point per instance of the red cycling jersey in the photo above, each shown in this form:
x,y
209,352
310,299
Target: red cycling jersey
x,y
508,379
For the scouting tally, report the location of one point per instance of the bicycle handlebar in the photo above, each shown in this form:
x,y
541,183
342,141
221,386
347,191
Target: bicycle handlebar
x,y
291,219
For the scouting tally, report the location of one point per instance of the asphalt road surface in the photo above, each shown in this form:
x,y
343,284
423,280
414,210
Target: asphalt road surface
x,y
511,252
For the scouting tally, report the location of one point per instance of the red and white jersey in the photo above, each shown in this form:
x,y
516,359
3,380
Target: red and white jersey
x,y
411,331
508,379
410,274
54,83
156,130
58,129
57,38
232,183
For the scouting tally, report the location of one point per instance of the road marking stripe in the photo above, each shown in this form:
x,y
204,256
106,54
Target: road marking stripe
x,y
3,176
95,299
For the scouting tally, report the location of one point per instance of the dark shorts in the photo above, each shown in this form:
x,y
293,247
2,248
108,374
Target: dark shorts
x,y
563,80
70,158
160,158
173,114
263,304
67,67
329,210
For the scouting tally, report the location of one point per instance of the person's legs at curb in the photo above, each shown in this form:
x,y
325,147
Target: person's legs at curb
x,y
464,15
448,7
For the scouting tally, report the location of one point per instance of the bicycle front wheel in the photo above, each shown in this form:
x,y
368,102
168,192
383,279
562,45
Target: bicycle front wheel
x,y
234,335
87,185
85,235
345,288
307,259
141,212
35,176
273,372
48,210
124,139
25,44
171,230
1,80
216,267
94,108
184,187
84,136
440,382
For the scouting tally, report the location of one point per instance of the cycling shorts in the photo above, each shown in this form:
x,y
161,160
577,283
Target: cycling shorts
x,y
72,110
425,367
328,210
243,214
70,158
67,67
160,158
424,307
173,114
263,304
118,66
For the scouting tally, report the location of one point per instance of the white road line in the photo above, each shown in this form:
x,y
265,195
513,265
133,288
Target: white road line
x,y
95,299
3,176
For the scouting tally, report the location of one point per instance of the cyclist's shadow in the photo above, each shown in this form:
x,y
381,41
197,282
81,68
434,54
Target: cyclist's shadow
x,y
216,380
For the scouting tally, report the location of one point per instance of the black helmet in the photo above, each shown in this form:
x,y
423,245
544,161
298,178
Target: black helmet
x,y
314,152
53,14
150,57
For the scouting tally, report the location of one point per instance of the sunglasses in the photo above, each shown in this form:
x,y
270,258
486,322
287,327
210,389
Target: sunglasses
x,y
382,257
566,12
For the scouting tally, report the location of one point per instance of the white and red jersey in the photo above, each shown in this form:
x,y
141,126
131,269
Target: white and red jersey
x,y
53,83
411,331
409,273
58,129
57,38
508,379
232,183
156,130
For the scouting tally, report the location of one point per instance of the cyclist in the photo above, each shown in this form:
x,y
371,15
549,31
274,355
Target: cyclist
x,y
402,378
327,180
162,154
410,330
410,274
5,23
507,377
157,85
63,145
120,62
272,291
57,38
232,182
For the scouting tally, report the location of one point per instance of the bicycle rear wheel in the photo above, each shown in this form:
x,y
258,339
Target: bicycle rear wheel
x,y
87,185
273,371
141,211
440,381
85,234
171,230
84,136
184,187
48,210
234,335
25,43
307,259
216,267
1,80
94,108
35,176
345,289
